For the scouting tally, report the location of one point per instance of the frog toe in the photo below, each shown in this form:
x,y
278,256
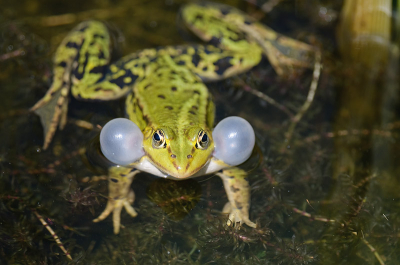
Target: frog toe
x,y
250,223
128,204
129,209
109,208
117,213
115,206
237,217
117,218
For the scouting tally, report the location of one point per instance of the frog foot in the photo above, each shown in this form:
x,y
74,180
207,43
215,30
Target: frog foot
x,y
115,206
237,216
52,110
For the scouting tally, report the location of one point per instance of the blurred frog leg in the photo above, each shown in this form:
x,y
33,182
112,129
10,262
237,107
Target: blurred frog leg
x,y
213,63
236,32
231,51
120,195
286,55
81,64
238,191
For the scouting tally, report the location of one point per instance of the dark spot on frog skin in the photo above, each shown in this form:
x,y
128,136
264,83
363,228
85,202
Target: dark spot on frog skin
x,y
173,156
101,55
238,205
147,86
207,49
62,64
195,107
98,36
98,69
195,59
120,81
83,28
223,64
72,44
173,88
192,112
205,68
76,72
196,92
224,11
181,63
233,189
169,107
114,180
215,41
189,156
161,96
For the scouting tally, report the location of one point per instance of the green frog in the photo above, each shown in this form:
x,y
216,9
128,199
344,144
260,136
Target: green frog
x,y
169,108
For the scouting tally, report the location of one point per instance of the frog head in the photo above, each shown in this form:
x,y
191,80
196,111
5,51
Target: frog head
x,y
179,153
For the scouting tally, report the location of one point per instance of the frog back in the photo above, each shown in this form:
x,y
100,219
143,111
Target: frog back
x,y
170,95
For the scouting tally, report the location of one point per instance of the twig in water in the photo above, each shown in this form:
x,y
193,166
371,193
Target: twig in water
x,y
53,234
322,219
373,250
309,100
266,7
305,214
12,54
82,124
266,98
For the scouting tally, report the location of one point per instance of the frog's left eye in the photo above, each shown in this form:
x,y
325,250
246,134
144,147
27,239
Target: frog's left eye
x,y
159,139
203,140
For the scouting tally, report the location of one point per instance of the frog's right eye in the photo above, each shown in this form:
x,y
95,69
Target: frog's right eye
x,y
121,141
159,139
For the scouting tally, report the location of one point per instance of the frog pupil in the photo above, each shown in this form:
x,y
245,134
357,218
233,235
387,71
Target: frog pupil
x,y
157,137
204,138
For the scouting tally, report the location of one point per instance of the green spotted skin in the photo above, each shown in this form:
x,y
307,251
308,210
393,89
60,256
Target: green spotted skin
x,y
166,94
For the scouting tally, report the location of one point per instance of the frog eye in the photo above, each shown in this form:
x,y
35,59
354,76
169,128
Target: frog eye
x,y
202,140
121,141
234,140
159,139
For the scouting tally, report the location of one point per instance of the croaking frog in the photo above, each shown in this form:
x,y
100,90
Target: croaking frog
x,y
170,113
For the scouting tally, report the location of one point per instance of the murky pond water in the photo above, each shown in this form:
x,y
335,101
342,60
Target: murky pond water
x,y
324,174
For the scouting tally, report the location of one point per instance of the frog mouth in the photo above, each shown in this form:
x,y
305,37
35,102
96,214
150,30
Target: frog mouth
x,y
148,166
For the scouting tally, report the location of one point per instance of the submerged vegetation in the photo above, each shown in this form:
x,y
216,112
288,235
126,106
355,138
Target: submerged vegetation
x,y
324,186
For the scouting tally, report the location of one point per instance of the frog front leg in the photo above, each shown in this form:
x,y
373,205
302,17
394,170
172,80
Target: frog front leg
x,y
238,191
120,195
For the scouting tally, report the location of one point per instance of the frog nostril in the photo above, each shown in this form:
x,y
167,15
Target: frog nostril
x,y
173,156
189,156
